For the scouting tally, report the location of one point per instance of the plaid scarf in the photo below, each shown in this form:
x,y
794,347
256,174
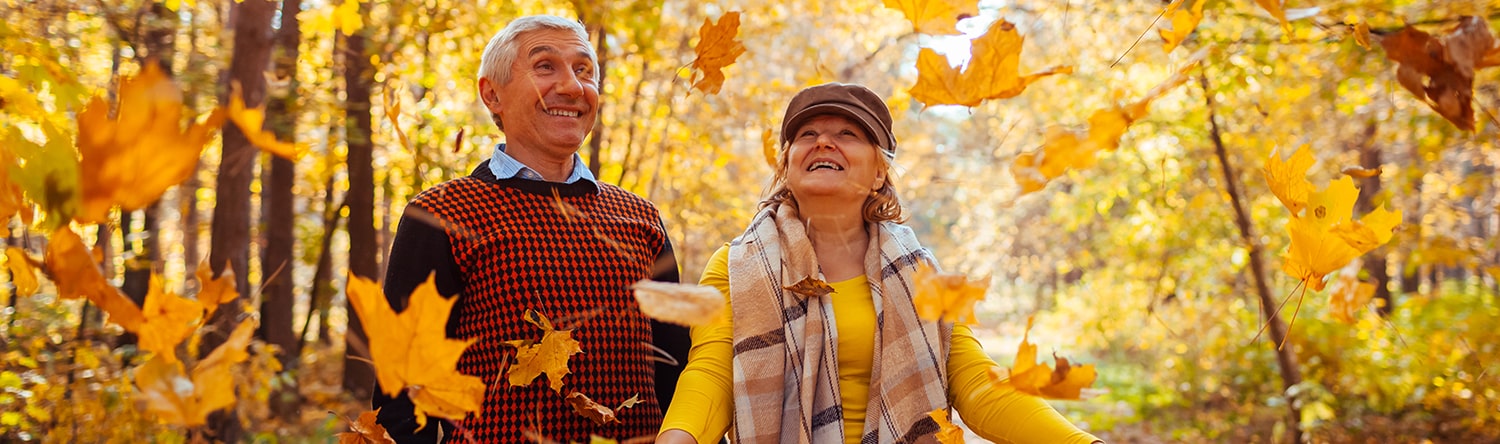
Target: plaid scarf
x,y
785,344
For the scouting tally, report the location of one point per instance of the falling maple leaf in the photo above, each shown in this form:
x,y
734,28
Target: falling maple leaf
x,y
1063,149
366,430
1180,23
1324,234
73,269
393,113
174,397
131,159
992,71
12,200
251,122
947,297
1440,71
549,355
947,433
168,319
1065,381
22,272
412,352
716,49
346,17
599,414
682,304
214,292
47,173
936,17
1361,173
810,287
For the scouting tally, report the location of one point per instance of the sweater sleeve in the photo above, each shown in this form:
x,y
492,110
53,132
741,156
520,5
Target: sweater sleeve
x,y
670,338
421,249
704,403
998,412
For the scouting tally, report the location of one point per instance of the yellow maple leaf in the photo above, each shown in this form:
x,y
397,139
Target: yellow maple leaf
x,y
991,73
22,274
168,320
550,355
1288,178
947,433
1180,23
131,159
366,430
412,352
946,297
1274,8
48,175
1325,237
214,292
716,49
74,270
393,114
251,122
1065,381
682,304
937,17
12,200
177,398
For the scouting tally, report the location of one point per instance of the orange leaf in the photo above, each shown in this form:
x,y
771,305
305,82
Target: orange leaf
x,y
393,114
1065,382
174,398
1063,149
991,73
251,122
12,200
1361,173
947,297
937,17
587,408
947,432
366,431
810,287
169,319
214,292
1348,296
129,160
716,49
1180,23
549,356
72,267
22,274
412,351
683,304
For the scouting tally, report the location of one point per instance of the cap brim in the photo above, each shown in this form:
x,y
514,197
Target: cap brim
x,y
866,120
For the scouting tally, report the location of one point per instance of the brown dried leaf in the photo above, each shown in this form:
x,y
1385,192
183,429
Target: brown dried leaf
x,y
810,287
682,304
716,49
587,408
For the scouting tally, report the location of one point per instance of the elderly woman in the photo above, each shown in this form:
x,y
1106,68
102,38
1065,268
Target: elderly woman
x,y
790,363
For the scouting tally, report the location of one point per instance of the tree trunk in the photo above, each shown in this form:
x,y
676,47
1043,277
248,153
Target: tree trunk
x,y
230,232
1411,274
1286,358
278,298
1375,265
359,377
322,291
596,141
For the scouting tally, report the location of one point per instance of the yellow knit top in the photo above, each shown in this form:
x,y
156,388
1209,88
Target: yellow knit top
x,y
704,402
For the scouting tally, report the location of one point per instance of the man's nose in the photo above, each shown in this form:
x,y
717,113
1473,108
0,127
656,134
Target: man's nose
x,y
571,85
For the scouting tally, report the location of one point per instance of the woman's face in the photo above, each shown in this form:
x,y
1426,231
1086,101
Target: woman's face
x,y
831,156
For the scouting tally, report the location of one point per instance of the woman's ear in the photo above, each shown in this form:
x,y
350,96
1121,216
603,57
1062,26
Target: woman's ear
x,y
879,182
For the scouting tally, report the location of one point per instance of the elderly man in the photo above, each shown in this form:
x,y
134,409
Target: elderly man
x,y
531,229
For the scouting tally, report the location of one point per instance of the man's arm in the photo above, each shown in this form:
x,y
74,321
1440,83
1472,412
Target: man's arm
x,y
421,249
670,338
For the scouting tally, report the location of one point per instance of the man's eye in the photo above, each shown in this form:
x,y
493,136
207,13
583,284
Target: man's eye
x,y
544,67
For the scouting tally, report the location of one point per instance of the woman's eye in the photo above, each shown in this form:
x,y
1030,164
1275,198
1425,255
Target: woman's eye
x,y
809,133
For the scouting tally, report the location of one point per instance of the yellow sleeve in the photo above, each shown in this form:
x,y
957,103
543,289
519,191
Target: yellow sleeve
x,y
703,404
997,412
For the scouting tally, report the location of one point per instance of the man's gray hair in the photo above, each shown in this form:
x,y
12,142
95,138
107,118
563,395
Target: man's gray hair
x,y
500,53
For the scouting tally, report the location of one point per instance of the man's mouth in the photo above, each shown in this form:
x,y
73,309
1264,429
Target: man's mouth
x,y
563,113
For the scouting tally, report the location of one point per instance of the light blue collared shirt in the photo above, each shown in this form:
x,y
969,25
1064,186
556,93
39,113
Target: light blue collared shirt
x,y
505,167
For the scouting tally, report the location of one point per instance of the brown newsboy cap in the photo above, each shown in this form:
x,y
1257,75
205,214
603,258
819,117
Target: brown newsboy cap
x,y
854,102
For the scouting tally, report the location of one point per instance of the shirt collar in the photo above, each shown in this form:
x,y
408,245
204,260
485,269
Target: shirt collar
x,y
506,167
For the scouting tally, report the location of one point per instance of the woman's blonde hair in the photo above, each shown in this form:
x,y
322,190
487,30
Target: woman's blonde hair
x,y
880,206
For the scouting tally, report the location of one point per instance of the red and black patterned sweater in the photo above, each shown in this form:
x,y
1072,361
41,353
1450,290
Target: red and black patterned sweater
x,y
569,251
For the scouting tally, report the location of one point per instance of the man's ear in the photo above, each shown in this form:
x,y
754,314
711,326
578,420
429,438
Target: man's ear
x,y
488,95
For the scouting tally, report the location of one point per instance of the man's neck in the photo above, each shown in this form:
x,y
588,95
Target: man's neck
x,y
552,170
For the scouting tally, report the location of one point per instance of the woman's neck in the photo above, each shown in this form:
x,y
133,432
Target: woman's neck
x,y
840,241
